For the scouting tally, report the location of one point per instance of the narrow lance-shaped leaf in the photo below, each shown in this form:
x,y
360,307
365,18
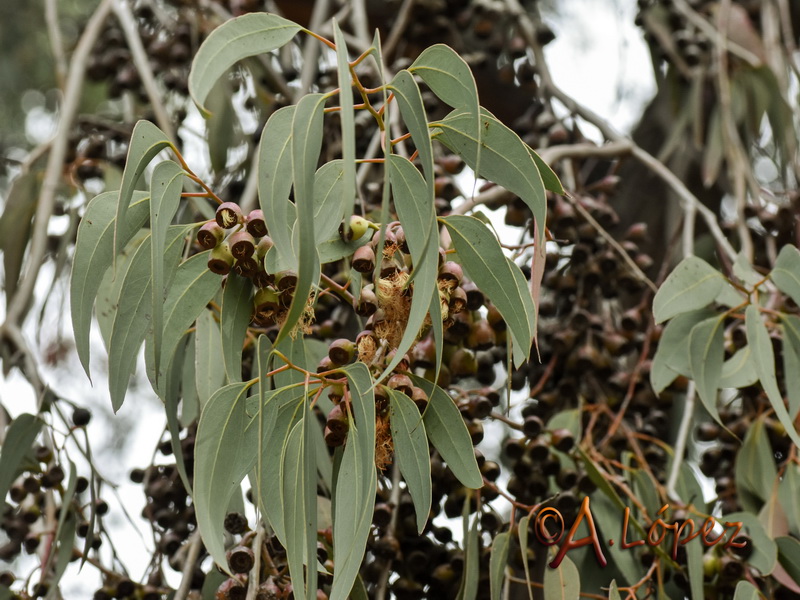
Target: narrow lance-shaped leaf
x,y
522,533
330,203
18,440
132,320
786,273
209,370
193,287
485,263
692,285
764,355
411,450
550,180
355,485
738,371
706,352
790,330
563,582
94,251
248,35
166,185
471,571
306,145
497,564
449,435
419,222
219,448
348,125
275,177
234,319
504,158
147,140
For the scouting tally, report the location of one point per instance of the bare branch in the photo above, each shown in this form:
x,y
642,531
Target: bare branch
x,y
56,41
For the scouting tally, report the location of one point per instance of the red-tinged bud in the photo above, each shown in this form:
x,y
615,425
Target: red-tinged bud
x,y
229,215
255,224
221,260
401,383
210,235
263,246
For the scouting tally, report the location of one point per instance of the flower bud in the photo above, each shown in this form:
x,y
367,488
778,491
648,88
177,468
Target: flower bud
x,y
357,227
255,224
210,235
228,215
264,244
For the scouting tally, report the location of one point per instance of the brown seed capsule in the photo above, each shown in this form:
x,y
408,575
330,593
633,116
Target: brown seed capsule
x,y
286,280
267,303
458,301
263,246
255,224
229,214
420,398
401,383
562,440
210,235
367,302
247,266
241,559
481,336
242,245
364,259
333,439
338,420
231,589
451,274
475,297
463,363
221,260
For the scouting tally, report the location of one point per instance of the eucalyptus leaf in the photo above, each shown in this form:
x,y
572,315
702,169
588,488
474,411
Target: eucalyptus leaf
x,y
738,371
497,563
18,440
347,191
693,284
249,35
765,551
706,353
209,369
237,307
746,591
790,334
563,582
755,467
411,451
786,272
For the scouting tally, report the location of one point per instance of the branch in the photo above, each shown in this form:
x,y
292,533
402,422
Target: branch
x,y
680,443
56,41
311,49
400,24
55,163
142,63
394,502
188,567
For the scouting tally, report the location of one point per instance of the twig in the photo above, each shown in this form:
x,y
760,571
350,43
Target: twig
x,y
55,163
659,168
359,22
680,442
142,63
394,502
311,49
255,573
56,41
188,567
400,24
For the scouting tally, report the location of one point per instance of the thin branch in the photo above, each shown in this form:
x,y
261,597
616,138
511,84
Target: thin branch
x,y
56,41
400,24
188,567
359,22
142,63
55,162
680,443
255,573
311,48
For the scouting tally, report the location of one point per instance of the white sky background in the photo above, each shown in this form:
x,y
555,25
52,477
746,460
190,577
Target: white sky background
x,y
598,57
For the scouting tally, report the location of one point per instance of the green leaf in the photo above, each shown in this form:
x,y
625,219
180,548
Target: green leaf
x,y
193,287
758,338
418,218
209,370
788,492
746,591
497,563
786,273
131,319
738,371
66,541
166,185
275,178
18,440
299,489
613,591
744,272
356,482
248,35
755,467
789,556
331,200
563,582
692,285
485,263
306,145
522,532
147,140
409,99
448,433
219,452
411,451
448,76
237,307
505,158
790,333
765,551
471,572
94,251
172,385
706,353
222,126
550,180
694,560
15,226
190,401
673,347
566,419
348,124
